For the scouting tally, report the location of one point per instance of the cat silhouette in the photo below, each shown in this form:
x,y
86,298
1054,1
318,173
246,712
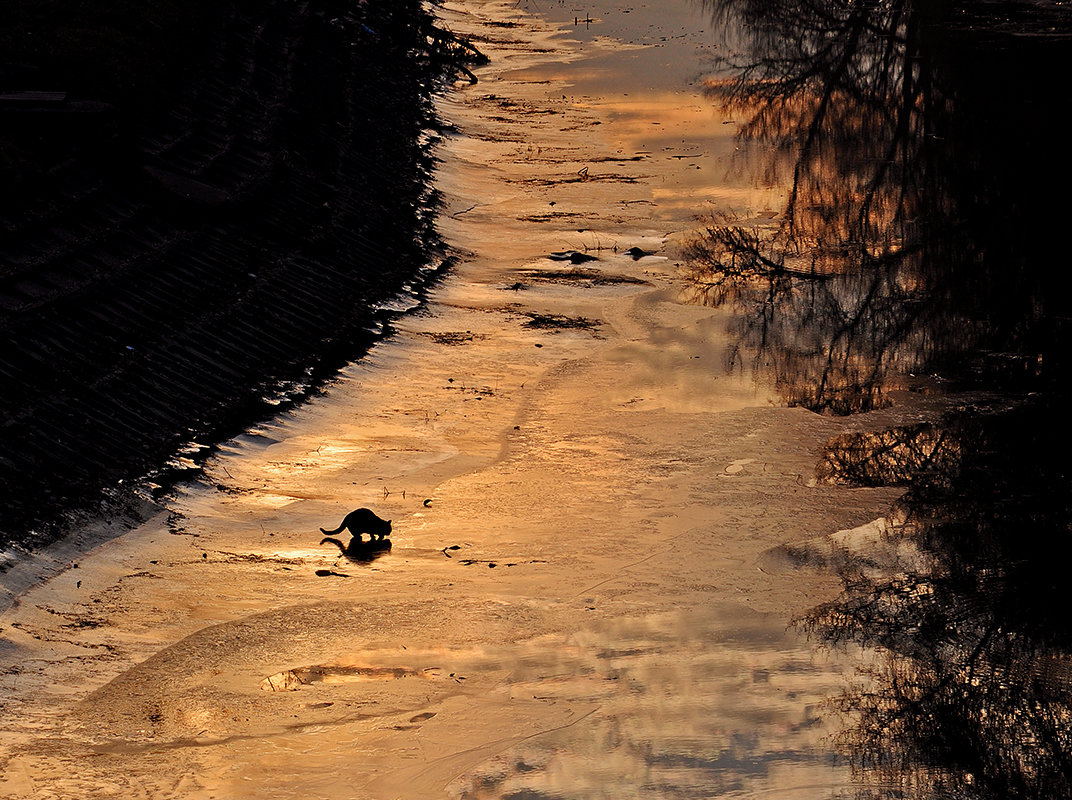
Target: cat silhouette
x,y
360,521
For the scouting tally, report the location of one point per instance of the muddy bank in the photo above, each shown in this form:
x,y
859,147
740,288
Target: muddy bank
x,y
205,218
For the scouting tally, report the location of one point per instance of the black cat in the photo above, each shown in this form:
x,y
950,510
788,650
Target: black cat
x,y
363,521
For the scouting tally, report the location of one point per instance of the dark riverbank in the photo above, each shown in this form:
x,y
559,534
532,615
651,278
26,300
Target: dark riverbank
x,y
201,216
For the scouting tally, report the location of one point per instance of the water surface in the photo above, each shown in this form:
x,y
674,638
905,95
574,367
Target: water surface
x,y
921,252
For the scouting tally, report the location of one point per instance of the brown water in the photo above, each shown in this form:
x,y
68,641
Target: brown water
x,y
586,485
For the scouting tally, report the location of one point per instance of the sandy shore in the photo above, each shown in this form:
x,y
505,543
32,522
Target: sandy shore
x,y
581,497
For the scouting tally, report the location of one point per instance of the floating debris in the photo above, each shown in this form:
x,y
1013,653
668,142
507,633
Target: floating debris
x,y
573,256
585,275
555,321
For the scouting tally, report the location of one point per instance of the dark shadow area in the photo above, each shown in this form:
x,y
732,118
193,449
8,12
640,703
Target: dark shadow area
x,y
204,208
921,247
969,686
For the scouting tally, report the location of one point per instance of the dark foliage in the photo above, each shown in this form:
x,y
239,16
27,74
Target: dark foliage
x,y
198,223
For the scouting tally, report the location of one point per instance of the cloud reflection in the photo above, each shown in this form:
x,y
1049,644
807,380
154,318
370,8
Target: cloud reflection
x,y
686,705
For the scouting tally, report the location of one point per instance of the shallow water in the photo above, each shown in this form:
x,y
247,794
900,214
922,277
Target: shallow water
x,y
606,513
685,704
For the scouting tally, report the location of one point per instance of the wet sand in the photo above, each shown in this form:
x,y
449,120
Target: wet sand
x,y
578,599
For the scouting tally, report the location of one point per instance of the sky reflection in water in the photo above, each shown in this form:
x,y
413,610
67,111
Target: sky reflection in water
x,y
714,702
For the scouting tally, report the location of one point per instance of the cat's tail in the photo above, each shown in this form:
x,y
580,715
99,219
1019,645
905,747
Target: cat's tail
x,y
339,529
335,542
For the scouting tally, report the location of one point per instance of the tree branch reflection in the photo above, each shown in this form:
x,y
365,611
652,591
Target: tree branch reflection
x,y
904,243
922,233
970,690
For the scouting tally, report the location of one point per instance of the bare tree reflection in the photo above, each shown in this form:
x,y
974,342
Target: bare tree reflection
x,y
892,457
832,85
905,241
922,232
971,690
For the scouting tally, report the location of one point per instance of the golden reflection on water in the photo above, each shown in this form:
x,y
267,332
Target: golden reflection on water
x,y
689,704
678,126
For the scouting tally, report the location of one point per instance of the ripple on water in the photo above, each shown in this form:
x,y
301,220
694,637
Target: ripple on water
x,y
722,701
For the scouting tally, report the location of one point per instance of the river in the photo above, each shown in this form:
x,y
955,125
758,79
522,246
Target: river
x,y
676,486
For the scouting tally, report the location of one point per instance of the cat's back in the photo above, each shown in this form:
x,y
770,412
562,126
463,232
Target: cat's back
x,y
366,520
